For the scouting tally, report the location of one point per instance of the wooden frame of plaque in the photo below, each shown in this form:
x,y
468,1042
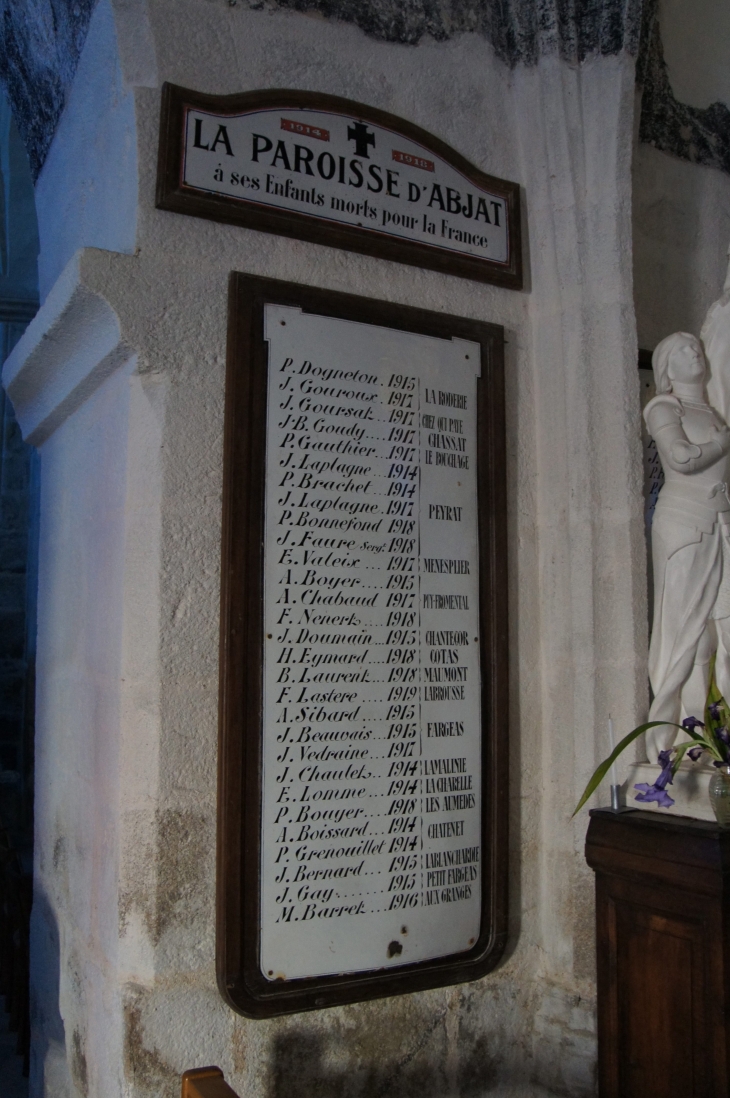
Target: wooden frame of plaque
x,y
239,206
240,828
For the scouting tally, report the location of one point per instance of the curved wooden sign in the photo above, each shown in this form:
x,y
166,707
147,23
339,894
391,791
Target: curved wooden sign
x,y
338,173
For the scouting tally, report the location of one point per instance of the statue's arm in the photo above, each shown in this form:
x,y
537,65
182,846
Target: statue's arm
x,y
663,420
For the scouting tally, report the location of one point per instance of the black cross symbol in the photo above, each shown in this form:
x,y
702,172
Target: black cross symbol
x,y
362,137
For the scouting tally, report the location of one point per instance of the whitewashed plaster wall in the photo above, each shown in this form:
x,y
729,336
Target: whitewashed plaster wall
x,y
696,38
681,238
682,210
120,381
86,195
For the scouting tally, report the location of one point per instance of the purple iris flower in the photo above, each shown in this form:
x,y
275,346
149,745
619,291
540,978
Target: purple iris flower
x,y
695,752
690,723
714,711
666,777
657,791
651,793
723,736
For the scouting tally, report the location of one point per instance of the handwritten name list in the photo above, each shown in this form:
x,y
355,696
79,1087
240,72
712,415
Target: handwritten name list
x,y
371,826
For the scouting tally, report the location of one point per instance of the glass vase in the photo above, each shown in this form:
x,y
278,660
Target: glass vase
x,y
719,790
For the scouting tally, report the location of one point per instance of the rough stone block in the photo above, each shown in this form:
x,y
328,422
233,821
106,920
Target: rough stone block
x,y
14,512
13,552
12,591
9,752
12,695
12,634
15,471
37,78
11,729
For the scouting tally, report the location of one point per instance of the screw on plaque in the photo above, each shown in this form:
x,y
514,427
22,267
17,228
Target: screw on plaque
x,y
361,135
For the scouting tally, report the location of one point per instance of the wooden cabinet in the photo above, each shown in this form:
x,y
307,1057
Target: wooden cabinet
x,y
663,952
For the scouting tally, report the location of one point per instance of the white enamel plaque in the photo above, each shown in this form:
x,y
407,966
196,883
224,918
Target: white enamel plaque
x,y
343,171
371,804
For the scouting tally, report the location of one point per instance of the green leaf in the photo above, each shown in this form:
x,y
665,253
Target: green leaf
x,y
713,694
714,697
696,736
681,749
600,772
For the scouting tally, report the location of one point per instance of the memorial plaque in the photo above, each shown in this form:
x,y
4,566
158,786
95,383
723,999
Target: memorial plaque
x,y
339,173
363,692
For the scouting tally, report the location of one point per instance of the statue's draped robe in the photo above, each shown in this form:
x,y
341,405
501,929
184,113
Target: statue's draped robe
x,y
691,558
715,337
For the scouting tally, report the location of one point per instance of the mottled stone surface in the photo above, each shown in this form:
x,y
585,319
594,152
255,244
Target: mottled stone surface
x,y
40,45
126,739
41,41
11,1065
519,30
15,666
699,135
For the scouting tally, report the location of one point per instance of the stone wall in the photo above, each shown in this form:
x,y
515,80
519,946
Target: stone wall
x,y
39,52
120,383
16,665
681,185
18,496
681,238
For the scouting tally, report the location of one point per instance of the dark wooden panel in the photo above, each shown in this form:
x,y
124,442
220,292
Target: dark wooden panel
x,y
205,1083
662,953
661,1004
674,849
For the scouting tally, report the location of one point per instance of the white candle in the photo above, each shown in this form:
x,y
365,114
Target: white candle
x,y
614,775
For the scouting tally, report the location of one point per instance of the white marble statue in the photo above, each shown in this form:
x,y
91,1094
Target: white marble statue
x,y
691,529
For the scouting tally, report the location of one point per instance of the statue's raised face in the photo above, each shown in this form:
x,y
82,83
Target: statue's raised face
x,y
686,361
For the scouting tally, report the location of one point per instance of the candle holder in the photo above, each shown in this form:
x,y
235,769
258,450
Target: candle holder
x,y
617,796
